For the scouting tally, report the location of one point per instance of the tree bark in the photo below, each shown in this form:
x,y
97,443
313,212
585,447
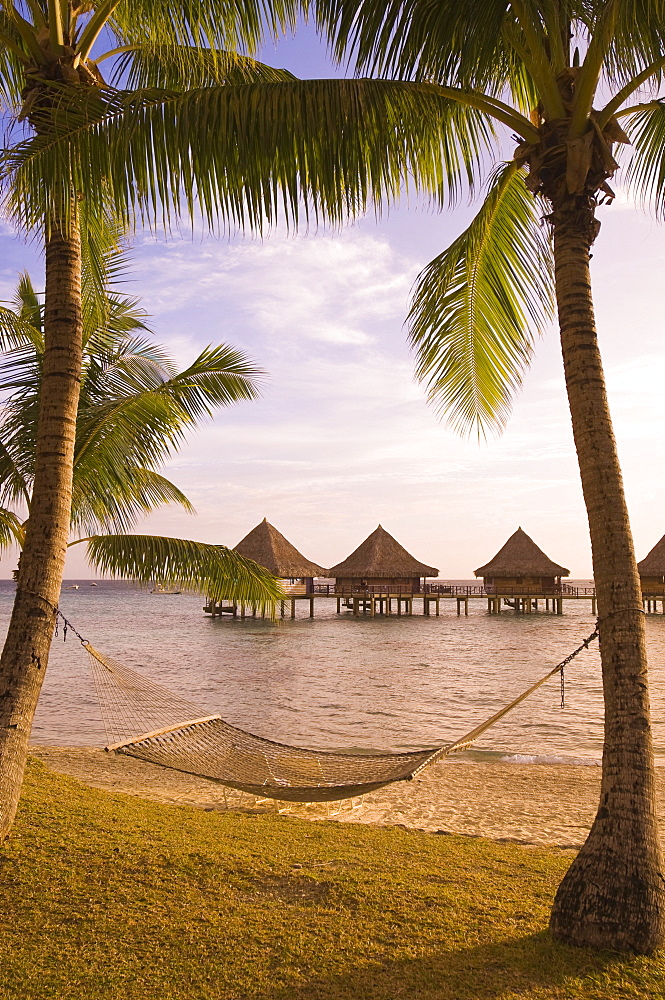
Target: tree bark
x,y
25,653
613,894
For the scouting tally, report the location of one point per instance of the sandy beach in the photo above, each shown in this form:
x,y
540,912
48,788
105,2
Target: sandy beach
x,y
538,804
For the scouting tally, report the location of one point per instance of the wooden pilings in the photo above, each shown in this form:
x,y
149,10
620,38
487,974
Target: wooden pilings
x,y
293,607
363,603
218,610
527,605
382,604
651,605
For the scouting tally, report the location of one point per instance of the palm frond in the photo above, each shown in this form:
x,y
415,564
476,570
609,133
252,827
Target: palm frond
x,y
14,485
184,67
475,308
115,321
237,156
219,376
109,499
450,42
646,172
12,66
213,570
141,411
523,90
239,26
104,260
115,362
637,39
12,530
20,381
16,331
104,255
26,302
20,369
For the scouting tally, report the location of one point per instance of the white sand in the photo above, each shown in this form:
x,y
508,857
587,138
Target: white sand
x,y
525,803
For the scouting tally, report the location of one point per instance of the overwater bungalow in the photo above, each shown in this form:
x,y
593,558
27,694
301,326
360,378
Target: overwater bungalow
x,y
520,567
652,571
380,565
269,548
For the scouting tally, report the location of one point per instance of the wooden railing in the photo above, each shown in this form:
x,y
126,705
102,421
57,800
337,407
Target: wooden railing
x,y
330,590
560,590
457,590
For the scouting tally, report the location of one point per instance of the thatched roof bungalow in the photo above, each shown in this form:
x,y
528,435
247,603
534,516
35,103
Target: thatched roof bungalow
x,y
652,569
269,548
521,567
381,565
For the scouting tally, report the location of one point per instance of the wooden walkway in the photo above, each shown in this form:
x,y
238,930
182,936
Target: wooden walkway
x,y
371,603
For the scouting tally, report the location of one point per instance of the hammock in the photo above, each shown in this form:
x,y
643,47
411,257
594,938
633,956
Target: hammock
x,y
147,721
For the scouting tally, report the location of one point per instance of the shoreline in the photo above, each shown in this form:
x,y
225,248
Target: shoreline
x,y
534,804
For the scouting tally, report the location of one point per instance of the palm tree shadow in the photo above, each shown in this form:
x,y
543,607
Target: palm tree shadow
x,y
477,973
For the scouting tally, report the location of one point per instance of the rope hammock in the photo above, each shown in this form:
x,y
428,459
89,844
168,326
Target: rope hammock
x,y
147,721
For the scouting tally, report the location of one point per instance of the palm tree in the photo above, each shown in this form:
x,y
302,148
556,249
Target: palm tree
x,y
198,132
536,67
239,152
135,409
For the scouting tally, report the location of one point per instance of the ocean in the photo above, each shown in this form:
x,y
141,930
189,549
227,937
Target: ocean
x,y
341,682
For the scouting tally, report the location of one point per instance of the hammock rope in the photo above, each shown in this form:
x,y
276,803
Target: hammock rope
x,y
147,721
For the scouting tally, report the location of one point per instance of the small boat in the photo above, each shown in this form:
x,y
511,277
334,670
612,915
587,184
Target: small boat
x,y
94,584
167,593
74,586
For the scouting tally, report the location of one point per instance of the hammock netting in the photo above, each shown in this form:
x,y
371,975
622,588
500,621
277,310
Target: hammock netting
x,y
147,721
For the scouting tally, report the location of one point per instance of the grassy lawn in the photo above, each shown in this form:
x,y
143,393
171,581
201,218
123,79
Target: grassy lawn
x,y
105,896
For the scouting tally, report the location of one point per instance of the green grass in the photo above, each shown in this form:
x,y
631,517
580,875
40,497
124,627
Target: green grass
x,y
105,896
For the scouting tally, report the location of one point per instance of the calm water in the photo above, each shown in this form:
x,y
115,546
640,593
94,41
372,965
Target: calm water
x,y
335,681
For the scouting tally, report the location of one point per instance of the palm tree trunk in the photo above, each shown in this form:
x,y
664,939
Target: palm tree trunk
x,y
25,653
612,897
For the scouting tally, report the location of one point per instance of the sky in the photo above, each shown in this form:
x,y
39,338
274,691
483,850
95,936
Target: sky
x,y
342,437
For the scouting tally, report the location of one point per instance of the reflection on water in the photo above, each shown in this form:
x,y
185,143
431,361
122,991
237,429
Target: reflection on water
x,y
335,681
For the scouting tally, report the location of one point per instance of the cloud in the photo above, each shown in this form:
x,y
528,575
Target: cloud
x,y
330,289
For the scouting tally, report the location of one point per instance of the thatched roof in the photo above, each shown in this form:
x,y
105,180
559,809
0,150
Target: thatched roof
x,y
520,556
380,555
270,549
653,564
